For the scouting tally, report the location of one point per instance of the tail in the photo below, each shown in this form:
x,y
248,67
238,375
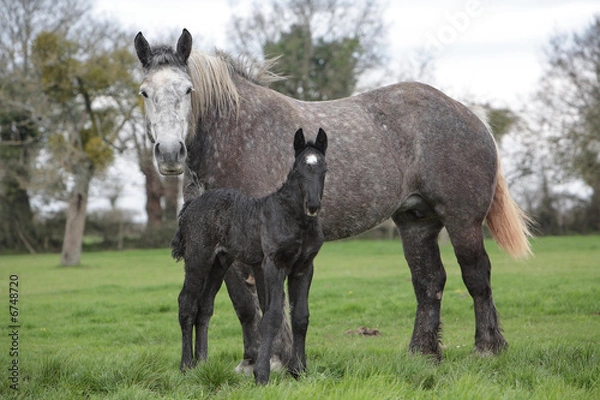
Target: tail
x,y
178,243
509,224
178,246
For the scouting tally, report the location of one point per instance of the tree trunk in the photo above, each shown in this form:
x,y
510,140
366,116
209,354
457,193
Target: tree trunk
x,y
17,229
593,212
154,193
76,212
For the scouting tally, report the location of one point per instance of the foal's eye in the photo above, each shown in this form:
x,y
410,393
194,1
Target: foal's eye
x,y
144,93
189,90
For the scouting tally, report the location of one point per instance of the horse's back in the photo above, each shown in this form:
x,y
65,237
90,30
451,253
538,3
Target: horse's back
x,y
390,143
447,154
384,146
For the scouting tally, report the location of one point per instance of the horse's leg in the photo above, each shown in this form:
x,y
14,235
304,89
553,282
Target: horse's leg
x,y
419,230
476,273
206,306
298,289
241,287
272,319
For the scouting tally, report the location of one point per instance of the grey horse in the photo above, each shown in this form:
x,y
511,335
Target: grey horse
x,y
404,151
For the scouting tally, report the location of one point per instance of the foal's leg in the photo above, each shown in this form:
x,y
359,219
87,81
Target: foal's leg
x,y
206,306
419,233
298,288
272,319
193,285
476,273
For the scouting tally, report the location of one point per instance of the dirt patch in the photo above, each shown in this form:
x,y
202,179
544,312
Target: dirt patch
x,y
364,331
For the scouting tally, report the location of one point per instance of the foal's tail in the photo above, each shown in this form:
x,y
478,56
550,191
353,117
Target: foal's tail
x,y
178,246
178,243
508,224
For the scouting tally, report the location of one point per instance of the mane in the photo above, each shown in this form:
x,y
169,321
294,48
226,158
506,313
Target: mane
x,y
164,55
213,80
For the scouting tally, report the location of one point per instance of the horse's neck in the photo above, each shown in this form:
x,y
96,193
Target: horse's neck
x,y
220,135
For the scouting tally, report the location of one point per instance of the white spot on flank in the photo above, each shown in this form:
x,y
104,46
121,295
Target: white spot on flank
x,y
311,159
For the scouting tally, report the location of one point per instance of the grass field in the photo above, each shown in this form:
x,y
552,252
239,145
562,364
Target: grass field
x,y
109,330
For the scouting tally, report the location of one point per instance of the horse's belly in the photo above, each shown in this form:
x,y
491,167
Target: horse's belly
x,y
355,211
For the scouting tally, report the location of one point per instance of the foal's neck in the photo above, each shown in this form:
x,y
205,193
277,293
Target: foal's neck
x,y
290,197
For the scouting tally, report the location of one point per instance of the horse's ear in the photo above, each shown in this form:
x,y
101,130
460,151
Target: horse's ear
x,y
321,142
184,45
299,141
142,48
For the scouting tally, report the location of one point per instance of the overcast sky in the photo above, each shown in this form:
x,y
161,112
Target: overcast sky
x,y
484,50
488,49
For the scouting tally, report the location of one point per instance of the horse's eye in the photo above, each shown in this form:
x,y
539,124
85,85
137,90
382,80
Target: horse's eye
x,y
189,90
143,93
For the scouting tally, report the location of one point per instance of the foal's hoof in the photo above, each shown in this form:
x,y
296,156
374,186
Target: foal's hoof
x,y
296,372
186,366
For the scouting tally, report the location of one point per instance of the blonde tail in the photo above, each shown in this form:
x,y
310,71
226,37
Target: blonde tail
x,y
509,224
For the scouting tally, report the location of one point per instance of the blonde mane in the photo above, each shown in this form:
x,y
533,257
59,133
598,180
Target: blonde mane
x,y
213,80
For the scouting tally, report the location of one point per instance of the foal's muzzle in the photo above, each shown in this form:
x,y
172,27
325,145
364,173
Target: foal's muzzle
x,y
312,210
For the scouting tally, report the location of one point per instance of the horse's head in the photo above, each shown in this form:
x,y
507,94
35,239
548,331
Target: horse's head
x,y
310,168
166,89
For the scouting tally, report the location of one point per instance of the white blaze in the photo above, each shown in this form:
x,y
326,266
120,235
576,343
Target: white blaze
x,y
311,159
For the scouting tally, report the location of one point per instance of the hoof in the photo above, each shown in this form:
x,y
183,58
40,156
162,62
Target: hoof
x,y
491,349
275,364
434,354
246,367
185,367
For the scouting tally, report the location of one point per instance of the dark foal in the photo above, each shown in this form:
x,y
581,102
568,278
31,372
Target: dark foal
x,y
278,235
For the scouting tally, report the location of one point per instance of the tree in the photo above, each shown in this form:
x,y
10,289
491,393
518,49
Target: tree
x,y
90,95
569,110
325,45
21,110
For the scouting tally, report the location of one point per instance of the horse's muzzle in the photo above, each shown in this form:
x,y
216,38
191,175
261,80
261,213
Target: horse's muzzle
x,y
170,157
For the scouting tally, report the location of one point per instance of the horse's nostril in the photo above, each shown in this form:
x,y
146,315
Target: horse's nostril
x,y
182,150
156,149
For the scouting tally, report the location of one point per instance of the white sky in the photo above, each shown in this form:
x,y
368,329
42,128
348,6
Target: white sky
x,y
485,50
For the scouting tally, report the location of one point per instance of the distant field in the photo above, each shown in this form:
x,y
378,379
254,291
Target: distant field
x,y
109,330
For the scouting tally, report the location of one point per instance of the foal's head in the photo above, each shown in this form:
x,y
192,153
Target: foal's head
x,y
309,170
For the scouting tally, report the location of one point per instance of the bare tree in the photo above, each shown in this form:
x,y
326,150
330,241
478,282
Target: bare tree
x,y
86,83
21,109
326,45
569,110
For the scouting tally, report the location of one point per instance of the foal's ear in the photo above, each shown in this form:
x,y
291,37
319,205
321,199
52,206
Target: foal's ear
x,y
142,48
299,141
321,142
184,45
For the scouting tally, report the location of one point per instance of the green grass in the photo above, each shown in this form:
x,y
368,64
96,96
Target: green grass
x,y
109,330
